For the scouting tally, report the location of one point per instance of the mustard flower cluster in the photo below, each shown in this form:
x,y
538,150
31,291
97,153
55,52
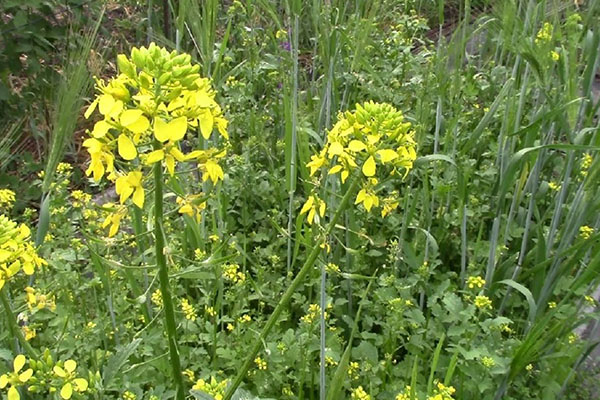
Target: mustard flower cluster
x,y
261,364
544,35
16,251
585,232
157,100
7,199
38,301
188,310
374,138
214,388
475,282
314,313
483,302
232,273
43,376
360,394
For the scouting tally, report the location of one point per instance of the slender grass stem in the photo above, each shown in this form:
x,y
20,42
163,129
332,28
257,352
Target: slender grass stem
x,y
310,261
165,288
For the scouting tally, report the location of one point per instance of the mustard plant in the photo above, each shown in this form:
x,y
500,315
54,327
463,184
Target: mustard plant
x,y
369,144
148,110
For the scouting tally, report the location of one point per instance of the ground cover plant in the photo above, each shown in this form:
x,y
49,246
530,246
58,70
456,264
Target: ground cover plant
x,y
301,200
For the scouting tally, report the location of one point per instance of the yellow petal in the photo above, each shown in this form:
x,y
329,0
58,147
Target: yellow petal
x,y
214,171
203,100
335,149
308,205
170,162
138,197
24,377
90,109
335,169
19,362
58,371
80,384
128,117
100,129
175,152
356,146
186,209
28,268
177,128
161,131
3,381
70,366
106,102
67,391
13,394
127,149
360,196
155,156
368,203
139,126
368,167
387,155
322,208
206,124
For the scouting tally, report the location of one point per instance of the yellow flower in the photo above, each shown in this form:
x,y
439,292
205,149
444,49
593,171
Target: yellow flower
x,y
475,281
315,207
127,395
213,388
483,302
7,198
16,251
585,232
367,195
16,378
551,304
114,219
71,382
360,394
131,184
555,56
188,310
260,363
192,205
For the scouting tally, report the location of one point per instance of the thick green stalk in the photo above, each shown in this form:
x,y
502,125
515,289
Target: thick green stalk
x,y
312,257
165,288
14,328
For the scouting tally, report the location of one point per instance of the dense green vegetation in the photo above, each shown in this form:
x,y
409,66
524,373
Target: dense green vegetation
x,y
370,199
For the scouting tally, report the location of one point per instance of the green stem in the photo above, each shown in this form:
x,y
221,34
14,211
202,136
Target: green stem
x,y
165,288
14,328
290,291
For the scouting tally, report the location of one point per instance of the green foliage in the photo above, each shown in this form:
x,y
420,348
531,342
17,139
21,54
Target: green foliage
x,y
480,280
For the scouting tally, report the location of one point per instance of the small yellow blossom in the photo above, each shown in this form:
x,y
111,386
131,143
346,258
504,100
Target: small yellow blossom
x,y
210,311
156,298
585,232
16,378
315,208
483,302
488,362
188,310
475,281
213,388
360,394
189,374
552,304
554,186
127,395
260,363
554,55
